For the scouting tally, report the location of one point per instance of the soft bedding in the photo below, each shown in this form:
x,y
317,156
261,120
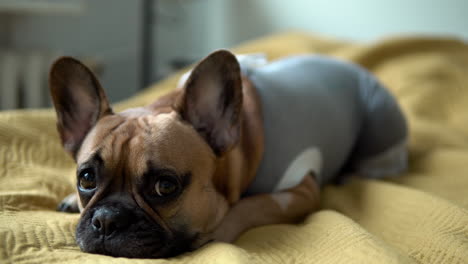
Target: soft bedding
x,y
417,217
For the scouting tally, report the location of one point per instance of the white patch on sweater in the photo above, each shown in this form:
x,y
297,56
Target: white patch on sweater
x,y
310,160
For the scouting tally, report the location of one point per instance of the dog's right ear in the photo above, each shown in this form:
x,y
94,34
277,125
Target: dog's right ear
x,y
79,101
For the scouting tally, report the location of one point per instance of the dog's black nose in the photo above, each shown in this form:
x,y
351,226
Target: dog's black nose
x,y
107,220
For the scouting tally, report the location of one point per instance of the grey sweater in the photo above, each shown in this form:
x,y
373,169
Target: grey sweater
x,y
324,116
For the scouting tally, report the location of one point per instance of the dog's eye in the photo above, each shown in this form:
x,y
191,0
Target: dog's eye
x,y
87,180
165,187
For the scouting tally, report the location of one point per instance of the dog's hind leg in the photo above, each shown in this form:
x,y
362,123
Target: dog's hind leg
x,y
390,162
381,147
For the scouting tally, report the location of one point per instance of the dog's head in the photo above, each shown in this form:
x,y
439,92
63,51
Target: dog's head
x,y
145,175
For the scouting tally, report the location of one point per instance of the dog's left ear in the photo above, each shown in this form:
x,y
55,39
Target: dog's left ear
x,y
212,100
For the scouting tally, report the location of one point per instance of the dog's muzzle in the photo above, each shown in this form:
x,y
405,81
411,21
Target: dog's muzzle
x,y
121,231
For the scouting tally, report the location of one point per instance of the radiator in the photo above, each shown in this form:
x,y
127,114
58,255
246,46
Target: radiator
x,y
23,79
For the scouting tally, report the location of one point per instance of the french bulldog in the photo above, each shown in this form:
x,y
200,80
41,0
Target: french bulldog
x,y
235,146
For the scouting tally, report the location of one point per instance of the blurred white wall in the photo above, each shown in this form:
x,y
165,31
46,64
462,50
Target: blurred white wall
x,y
193,28
361,20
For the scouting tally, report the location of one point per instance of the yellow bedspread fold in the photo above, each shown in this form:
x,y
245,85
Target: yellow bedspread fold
x,y
418,217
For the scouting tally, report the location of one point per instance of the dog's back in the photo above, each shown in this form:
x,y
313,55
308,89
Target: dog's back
x,y
323,115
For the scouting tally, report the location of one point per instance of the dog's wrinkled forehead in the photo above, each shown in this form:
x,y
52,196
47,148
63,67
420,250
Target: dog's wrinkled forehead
x,y
131,139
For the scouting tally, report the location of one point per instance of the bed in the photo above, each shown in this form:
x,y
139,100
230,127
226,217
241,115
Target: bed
x,y
418,217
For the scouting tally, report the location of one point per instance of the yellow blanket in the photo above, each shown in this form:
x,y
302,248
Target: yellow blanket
x,y
419,217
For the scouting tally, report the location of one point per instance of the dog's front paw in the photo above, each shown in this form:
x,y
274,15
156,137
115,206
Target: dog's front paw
x,y
226,237
228,231
69,204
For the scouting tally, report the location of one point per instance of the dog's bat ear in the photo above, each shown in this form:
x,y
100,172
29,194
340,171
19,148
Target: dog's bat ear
x,y
212,100
79,101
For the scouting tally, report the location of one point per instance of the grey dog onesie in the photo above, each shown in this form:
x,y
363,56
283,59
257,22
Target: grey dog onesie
x,y
324,116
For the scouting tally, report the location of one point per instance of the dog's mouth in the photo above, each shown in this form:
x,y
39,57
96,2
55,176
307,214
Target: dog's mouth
x,y
132,247
131,243
129,233
128,250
